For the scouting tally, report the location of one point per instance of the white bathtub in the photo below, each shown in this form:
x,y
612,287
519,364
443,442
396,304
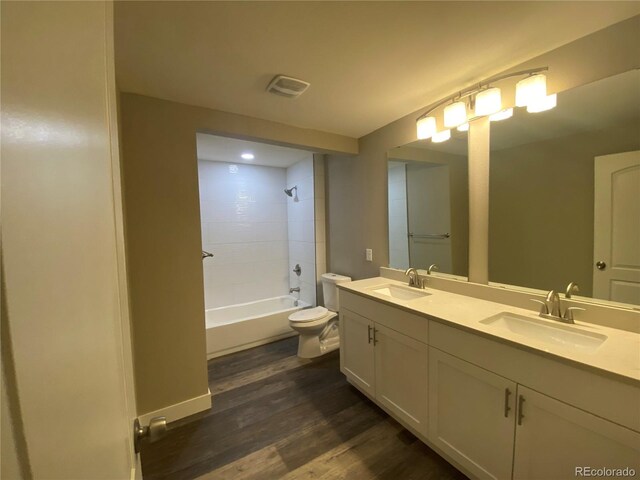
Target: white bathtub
x,y
246,325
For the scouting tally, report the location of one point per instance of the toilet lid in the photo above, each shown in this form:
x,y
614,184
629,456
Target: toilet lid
x,y
308,314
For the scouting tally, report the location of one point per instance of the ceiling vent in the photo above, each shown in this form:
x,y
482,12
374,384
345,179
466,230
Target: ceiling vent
x,y
287,86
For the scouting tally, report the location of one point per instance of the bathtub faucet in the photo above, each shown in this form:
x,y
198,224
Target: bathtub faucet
x,y
296,289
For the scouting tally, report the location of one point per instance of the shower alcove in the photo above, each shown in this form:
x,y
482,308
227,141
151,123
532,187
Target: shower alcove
x,y
262,214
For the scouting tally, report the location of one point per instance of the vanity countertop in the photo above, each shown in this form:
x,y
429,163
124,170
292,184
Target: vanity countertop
x,y
618,356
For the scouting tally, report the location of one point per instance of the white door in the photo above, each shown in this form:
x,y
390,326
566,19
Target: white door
x,y
471,415
65,332
616,246
553,439
356,350
429,215
401,376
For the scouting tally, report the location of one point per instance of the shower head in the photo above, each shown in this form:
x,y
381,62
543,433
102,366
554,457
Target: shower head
x,y
289,191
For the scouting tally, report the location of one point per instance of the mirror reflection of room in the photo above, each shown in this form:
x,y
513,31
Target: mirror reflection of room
x,y
428,205
548,170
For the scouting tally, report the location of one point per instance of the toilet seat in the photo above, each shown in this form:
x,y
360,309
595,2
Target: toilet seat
x,y
308,315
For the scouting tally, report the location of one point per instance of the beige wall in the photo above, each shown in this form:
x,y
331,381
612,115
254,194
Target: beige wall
x,y
357,186
541,208
162,225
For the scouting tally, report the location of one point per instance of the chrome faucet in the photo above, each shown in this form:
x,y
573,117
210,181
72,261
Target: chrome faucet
x,y
551,308
414,278
553,303
572,287
431,268
294,289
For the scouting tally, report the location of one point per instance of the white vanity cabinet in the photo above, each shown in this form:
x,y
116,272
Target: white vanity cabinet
x,y
401,376
553,439
356,350
495,410
471,415
385,363
485,419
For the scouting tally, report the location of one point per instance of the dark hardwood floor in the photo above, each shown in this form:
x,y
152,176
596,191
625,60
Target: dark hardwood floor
x,y
277,416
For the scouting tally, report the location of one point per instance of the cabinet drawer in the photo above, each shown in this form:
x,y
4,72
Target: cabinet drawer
x,y
606,397
394,318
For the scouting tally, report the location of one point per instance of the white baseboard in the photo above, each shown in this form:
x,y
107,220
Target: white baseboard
x,y
180,410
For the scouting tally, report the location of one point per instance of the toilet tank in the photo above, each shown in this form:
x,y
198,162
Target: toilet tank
x,y
330,289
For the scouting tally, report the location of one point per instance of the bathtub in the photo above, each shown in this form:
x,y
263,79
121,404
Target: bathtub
x,y
245,325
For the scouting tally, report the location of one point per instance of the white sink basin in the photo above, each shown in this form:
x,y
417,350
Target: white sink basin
x,y
546,331
399,293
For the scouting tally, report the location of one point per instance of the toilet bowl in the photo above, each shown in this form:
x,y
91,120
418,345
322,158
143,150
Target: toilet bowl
x,y
318,327
318,330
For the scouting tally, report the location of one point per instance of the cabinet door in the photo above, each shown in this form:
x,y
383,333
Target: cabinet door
x,y
356,350
553,439
471,415
401,376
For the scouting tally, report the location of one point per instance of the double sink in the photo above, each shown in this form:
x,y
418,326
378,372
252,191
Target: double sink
x,y
530,327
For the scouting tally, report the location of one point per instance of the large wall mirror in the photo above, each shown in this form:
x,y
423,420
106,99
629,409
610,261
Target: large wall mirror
x,y
429,205
565,193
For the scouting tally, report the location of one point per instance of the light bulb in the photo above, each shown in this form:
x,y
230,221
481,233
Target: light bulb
x,y
455,114
531,90
502,115
442,136
463,128
547,103
426,127
488,101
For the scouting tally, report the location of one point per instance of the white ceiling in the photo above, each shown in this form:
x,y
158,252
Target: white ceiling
x,y
222,149
369,63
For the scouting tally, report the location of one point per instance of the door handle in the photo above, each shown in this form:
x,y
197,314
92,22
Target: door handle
x,y
601,265
507,408
375,340
369,333
157,429
520,413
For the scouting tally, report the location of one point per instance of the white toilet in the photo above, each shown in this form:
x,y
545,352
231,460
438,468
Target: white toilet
x,y
318,327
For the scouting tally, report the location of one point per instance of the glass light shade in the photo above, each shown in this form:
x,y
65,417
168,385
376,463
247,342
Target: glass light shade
x,y
547,103
463,128
501,115
455,114
488,102
531,90
426,127
442,136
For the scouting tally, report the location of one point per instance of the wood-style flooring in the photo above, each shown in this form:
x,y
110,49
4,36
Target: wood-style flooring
x,y
277,416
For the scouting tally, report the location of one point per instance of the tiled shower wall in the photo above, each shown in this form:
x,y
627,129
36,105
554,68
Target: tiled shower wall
x,y
302,228
244,224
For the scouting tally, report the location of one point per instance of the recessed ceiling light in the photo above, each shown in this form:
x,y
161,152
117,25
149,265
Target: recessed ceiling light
x,y
247,156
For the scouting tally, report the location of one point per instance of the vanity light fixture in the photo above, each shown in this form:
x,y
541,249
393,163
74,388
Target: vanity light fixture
x,y
531,90
247,156
485,100
426,127
442,136
455,114
488,101
501,115
547,103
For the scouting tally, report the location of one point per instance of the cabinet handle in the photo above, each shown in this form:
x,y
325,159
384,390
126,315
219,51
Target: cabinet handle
x,y
520,413
369,333
375,340
507,408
